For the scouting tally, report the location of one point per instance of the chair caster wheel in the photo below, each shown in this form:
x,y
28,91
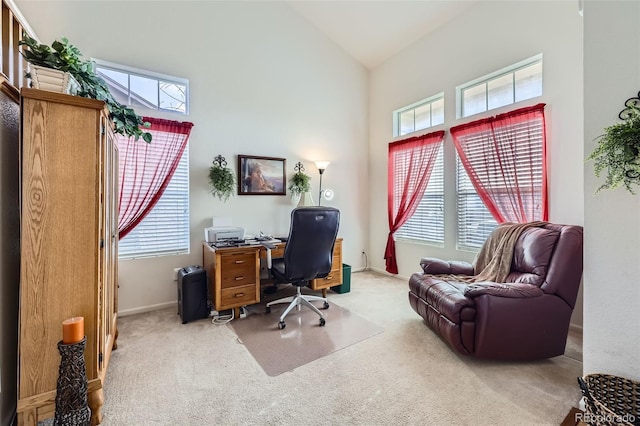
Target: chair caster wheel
x,y
325,305
322,322
281,325
268,310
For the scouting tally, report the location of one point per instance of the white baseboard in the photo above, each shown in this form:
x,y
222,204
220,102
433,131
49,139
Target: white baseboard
x,y
148,308
384,272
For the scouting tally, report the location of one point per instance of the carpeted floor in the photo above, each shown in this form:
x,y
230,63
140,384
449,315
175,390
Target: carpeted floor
x,y
167,373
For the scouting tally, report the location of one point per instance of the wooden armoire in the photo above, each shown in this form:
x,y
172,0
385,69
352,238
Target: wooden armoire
x,y
69,244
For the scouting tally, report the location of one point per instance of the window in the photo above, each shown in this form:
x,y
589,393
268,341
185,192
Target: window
x,y
427,222
515,83
140,88
418,116
165,230
504,158
409,169
475,223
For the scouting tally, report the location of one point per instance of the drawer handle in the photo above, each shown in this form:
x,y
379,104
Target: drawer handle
x,y
239,261
240,278
238,295
328,277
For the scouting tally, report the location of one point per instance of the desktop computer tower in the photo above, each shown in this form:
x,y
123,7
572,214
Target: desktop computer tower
x,y
192,293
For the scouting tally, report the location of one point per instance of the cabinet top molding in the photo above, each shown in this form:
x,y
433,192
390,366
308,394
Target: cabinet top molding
x,y
46,95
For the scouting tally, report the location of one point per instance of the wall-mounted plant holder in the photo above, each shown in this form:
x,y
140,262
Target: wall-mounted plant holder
x,y
631,108
618,150
299,182
222,179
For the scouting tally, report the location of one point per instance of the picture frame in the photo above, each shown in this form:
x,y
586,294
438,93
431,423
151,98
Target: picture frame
x,y
261,175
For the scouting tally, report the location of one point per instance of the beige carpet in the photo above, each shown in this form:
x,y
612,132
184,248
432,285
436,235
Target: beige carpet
x,y
302,340
167,373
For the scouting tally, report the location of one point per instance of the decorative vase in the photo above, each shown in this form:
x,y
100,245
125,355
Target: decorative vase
x,y
52,80
305,200
71,391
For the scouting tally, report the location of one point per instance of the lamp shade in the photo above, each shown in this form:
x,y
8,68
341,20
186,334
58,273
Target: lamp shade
x,y
321,165
305,200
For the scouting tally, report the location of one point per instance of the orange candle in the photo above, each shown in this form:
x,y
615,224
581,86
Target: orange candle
x,y
72,330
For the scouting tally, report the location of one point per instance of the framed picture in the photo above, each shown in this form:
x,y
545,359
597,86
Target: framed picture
x,y
261,175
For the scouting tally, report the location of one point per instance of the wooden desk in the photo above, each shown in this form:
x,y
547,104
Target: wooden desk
x,y
234,274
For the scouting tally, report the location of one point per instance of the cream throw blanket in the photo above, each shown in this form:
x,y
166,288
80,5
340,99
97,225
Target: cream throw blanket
x,y
493,261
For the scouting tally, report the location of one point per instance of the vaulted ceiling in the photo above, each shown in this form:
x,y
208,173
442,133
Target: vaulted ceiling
x,y
373,31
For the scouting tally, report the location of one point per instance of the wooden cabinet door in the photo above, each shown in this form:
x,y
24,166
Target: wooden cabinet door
x,y
109,254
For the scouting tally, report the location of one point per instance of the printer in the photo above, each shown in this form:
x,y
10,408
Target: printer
x,y
215,234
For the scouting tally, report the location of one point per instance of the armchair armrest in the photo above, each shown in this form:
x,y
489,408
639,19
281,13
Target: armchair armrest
x,y
435,266
512,290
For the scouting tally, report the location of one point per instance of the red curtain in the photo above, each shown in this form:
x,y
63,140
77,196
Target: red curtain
x,y
505,158
409,169
147,168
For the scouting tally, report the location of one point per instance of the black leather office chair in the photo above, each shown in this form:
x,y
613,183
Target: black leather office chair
x,y
307,255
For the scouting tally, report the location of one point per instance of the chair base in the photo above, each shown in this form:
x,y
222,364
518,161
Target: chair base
x,y
296,301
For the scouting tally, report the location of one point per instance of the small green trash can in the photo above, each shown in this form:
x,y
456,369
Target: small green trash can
x,y
345,287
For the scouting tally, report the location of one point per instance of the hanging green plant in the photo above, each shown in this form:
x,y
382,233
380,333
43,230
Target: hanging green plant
x,y
617,153
299,181
221,179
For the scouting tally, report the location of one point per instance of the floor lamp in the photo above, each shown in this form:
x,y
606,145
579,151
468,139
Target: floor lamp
x,y
321,165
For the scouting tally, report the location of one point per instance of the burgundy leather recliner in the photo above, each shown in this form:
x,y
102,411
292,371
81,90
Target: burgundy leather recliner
x,y
525,318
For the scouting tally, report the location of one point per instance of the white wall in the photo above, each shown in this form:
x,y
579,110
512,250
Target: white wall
x,y
263,82
489,36
612,258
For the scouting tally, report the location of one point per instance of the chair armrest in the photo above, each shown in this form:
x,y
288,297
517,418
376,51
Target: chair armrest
x,y
435,266
512,290
268,247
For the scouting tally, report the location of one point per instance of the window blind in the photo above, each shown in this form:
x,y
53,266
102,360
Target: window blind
x,y
505,157
475,223
427,222
165,230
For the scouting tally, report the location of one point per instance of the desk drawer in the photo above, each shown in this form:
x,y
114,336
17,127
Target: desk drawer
x,y
334,278
238,296
238,270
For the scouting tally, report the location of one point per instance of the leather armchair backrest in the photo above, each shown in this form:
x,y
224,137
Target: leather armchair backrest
x,y
312,236
565,270
551,258
532,255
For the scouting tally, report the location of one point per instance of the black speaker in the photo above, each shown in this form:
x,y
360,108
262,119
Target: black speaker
x,y
192,293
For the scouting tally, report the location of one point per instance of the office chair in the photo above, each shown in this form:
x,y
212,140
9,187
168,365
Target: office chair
x,y
307,255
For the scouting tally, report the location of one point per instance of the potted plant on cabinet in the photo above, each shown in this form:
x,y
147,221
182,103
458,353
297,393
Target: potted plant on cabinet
x,y
618,150
221,179
65,57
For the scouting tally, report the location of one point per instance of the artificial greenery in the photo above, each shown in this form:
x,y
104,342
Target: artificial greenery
x,y
222,181
299,183
64,56
618,152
